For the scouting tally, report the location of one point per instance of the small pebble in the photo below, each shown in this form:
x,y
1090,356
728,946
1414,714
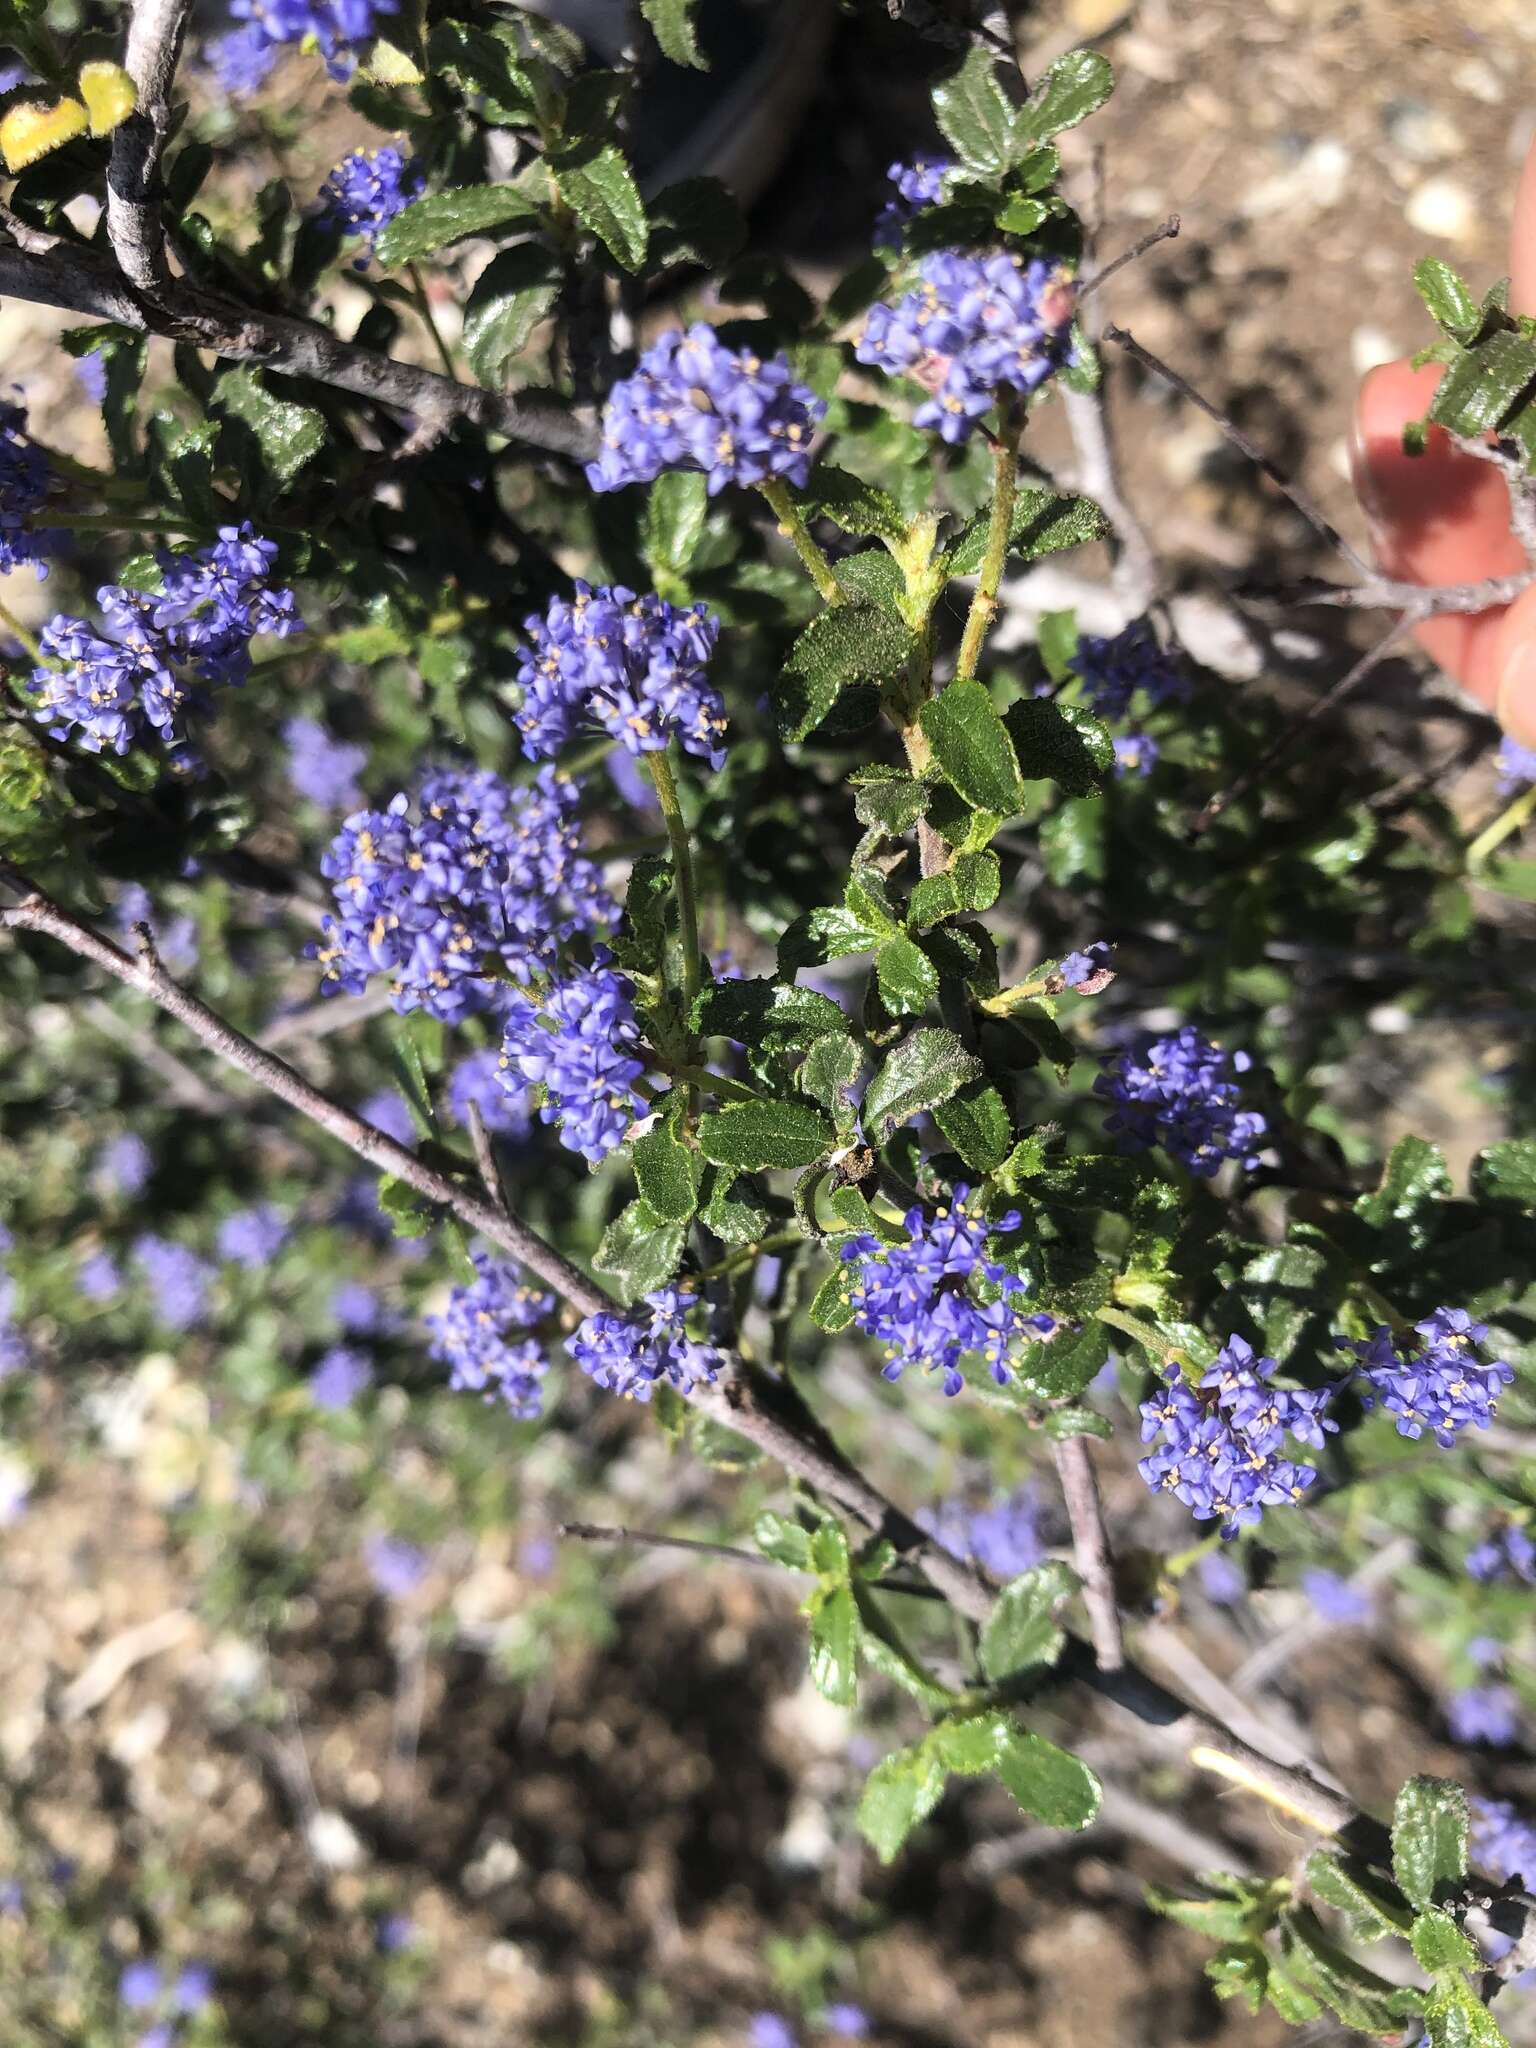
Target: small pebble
x,y
1441,206
1423,134
1476,77
1314,183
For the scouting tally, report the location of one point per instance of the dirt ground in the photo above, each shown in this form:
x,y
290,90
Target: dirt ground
x,y
630,1834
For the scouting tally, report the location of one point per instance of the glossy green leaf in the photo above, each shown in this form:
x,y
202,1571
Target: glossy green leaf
x,y
695,221
732,1213
1429,1838
762,1135
975,115
898,1793
1050,1783
1506,1172
851,643
440,218
1022,1631
908,979
288,435
676,507
927,1068
834,1645
1060,743
888,798
599,188
971,746
672,24
515,291
1074,87
769,1017
1043,523
977,1124
639,1251
1439,1944
783,1540
1483,387
1454,2017
667,1172
852,504
1374,1909
1451,305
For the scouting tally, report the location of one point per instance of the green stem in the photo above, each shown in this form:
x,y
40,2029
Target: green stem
x,y
1008,999
1005,484
704,1078
733,1262
9,620
792,525
660,765
429,318
1508,821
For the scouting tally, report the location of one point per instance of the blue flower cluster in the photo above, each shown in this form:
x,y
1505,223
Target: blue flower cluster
x,y
938,1297
1003,1537
974,326
633,666
482,1337
1484,1713
478,1079
1438,1383
628,1356
1113,669
1503,1841
919,184
1181,1092
339,1377
1336,1600
366,190
160,653
1222,1444
1516,766
1136,753
693,403
321,768
178,1281
478,887
243,58
24,481
578,1042
1508,1554
252,1237
143,1988
1089,972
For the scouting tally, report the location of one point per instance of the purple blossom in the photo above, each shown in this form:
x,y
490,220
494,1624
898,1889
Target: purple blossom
x,y
252,1237
161,2035
1220,1447
1437,1382
1503,1841
242,60
770,2030
160,654
628,1356
1509,1553
938,1297
1181,1092
632,666
482,1337
337,27
974,326
394,1932
1113,670
919,185
478,1079
98,1278
849,2020
91,376
1221,1580
578,1042
321,768
366,190
1516,766
396,1567
358,1310
482,883
1090,972
25,479
125,1164
139,1985
193,1988
178,1280
693,403
1337,1600
339,1378
1136,753
1003,1537
1484,1713
389,1113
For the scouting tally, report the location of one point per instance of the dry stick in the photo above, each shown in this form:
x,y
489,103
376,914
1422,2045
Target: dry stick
x,y
756,1411
1384,594
1167,232
1305,504
650,1539
156,29
1090,1549
79,280
1318,708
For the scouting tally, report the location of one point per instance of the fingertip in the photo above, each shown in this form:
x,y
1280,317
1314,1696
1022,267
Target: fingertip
x,y
1516,670
1522,240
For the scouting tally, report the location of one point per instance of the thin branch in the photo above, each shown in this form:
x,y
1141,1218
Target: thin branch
x,y
1283,743
649,1539
156,30
1167,231
1307,506
751,1405
79,280
485,1155
1384,593
1135,575
1090,1549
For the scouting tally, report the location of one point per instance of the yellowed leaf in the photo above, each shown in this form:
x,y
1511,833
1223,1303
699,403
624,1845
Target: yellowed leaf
x,y
391,66
31,130
109,95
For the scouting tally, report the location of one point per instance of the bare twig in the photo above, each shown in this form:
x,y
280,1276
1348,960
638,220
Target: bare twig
x,y
649,1539
1307,506
1384,593
156,29
1508,457
1274,1654
1090,1549
79,280
1167,231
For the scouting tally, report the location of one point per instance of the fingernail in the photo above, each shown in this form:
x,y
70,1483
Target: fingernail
x,y
1517,695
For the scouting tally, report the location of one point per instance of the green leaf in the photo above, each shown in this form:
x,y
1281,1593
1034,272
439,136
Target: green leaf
x,y
971,1743
834,1645
734,1218
1506,1172
403,1206
975,115
287,435
1374,1911
1439,1944
971,883
1021,1632
676,508
831,933
972,747
753,1135
668,1173
771,1018
830,1070
850,643
1429,1838
783,1540
829,1552
831,1306
889,799
639,1251
511,296
1454,2017
1450,303
1050,1783
642,942
1019,215
1483,387
908,979
852,504
486,65
1414,1182
1282,1291
976,1122
442,217
671,23
1074,87
695,221
927,1068
598,187
899,1792
1060,743
1043,523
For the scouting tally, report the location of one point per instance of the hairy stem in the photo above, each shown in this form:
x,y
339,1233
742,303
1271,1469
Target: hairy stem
x,y
1507,822
1005,485
792,525
429,319
13,625
660,765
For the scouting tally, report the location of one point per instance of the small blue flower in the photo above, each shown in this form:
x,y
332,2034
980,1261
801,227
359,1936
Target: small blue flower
x,y
98,1278
1510,1553
919,185
1433,1379
770,2030
1503,1841
365,191
252,1237
1336,1599
178,1281
339,1378
478,1079
336,26
1136,753
1088,972
140,1984
396,1567
482,1336
578,1041
1516,766
323,769
25,480
1484,1713
629,1354
1182,1092
1115,669
1003,1537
